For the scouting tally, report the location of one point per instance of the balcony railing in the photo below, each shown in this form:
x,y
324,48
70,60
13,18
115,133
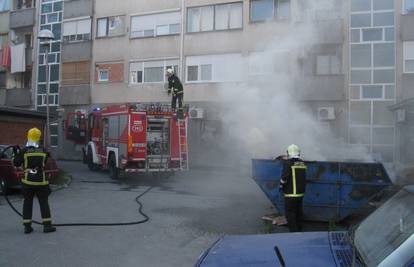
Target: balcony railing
x,y
22,18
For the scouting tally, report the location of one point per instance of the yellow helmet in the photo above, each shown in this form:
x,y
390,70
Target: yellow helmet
x,y
33,135
293,151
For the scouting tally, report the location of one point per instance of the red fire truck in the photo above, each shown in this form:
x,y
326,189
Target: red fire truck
x,y
131,138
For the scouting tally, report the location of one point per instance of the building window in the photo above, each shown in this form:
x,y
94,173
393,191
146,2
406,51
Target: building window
x,y
409,57
262,10
42,99
372,92
28,40
23,4
151,71
214,68
109,72
103,75
5,5
3,79
79,30
328,65
215,17
111,26
155,24
408,6
75,73
54,134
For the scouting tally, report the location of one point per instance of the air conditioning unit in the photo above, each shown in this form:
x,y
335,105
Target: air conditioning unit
x,y
400,115
326,113
196,113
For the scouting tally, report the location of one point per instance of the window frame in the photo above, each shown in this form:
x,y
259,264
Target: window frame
x,y
142,62
199,74
108,27
275,14
406,59
155,25
404,10
214,18
330,67
76,40
100,77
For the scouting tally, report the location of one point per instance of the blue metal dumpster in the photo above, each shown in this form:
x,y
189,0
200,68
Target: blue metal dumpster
x,y
334,189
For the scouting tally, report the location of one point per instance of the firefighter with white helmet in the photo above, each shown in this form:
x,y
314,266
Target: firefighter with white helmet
x,y
176,88
33,159
293,185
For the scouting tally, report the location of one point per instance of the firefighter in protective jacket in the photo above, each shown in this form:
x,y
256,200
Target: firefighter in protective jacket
x,y
176,88
33,159
293,185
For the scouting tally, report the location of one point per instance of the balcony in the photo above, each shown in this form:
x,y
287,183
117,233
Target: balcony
x,y
78,8
74,95
29,56
407,29
18,97
22,18
330,31
4,21
78,51
407,82
321,88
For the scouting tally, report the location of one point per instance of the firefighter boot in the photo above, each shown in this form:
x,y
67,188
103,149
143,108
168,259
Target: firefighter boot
x,y
28,229
48,228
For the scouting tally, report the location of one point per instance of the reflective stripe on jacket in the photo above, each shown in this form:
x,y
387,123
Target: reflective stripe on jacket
x,y
33,160
293,179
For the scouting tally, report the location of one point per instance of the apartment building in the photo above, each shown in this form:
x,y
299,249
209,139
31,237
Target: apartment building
x,y
207,43
357,79
17,30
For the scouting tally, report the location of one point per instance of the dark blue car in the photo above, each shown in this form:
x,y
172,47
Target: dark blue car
x,y
385,238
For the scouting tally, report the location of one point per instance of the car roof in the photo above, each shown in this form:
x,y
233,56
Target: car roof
x,y
409,188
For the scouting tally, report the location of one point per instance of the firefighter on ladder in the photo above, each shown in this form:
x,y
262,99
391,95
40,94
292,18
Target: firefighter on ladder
x,y
33,158
176,88
293,185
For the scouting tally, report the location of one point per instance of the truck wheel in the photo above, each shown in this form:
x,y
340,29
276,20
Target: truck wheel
x,y
92,166
113,170
5,190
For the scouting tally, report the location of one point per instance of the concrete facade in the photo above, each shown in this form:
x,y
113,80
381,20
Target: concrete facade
x,y
334,36
17,25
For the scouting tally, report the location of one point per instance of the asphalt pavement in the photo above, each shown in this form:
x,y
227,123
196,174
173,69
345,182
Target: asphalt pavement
x,y
188,212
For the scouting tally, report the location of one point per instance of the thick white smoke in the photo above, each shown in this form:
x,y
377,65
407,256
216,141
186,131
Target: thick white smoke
x,y
265,115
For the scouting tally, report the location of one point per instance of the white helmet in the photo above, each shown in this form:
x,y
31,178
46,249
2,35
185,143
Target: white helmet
x,y
170,71
293,151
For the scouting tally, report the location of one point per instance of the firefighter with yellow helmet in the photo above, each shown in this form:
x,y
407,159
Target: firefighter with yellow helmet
x,y
176,88
33,159
293,185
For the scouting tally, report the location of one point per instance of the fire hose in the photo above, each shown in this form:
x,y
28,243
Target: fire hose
x,y
137,200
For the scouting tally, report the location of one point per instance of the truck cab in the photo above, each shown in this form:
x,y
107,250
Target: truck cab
x,y
385,238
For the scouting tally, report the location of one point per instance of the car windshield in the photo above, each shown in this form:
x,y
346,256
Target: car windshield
x,y
386,229
6,154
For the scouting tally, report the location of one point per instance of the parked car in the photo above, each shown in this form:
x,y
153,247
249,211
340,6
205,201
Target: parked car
x,y
385,238
11,176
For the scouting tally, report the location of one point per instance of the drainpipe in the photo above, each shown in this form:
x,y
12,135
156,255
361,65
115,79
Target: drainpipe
x,y
182,65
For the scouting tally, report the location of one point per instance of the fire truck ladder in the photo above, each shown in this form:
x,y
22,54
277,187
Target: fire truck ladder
x,y
182,139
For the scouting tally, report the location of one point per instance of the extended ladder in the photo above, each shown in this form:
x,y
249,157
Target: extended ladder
x,y
182,139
